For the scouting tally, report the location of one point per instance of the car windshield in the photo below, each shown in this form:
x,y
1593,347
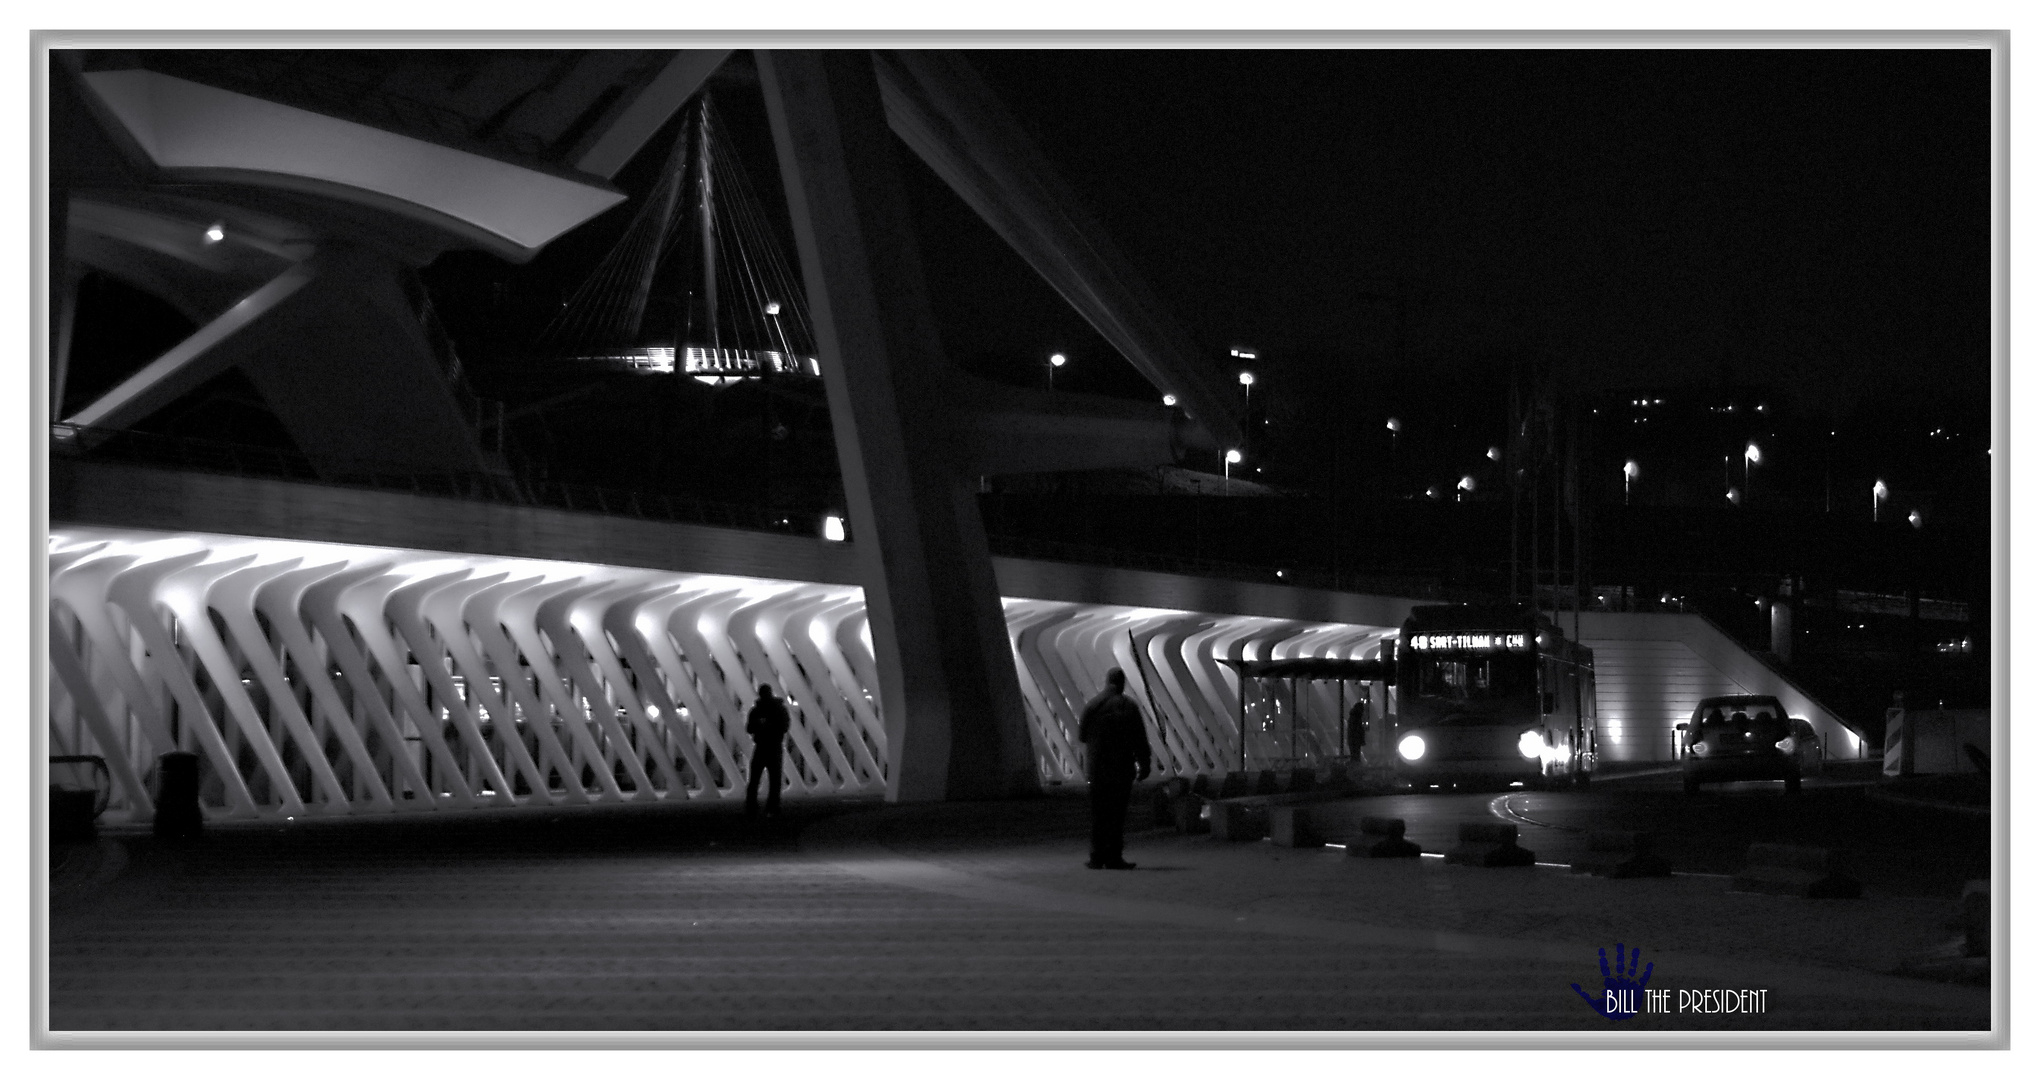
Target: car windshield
x,y
1739,711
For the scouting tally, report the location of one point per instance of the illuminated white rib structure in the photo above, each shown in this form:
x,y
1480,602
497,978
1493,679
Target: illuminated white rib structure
x,y
324,679
337,679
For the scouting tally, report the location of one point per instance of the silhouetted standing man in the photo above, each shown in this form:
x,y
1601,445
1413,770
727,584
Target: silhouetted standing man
x,y
1116,748
767,725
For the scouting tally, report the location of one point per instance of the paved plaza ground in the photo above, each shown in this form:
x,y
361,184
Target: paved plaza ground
x,y
973,917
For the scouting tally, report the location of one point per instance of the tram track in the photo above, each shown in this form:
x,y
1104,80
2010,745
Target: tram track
x,y
1500,806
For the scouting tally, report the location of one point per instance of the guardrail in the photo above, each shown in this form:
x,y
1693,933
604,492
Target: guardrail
x,y
237,459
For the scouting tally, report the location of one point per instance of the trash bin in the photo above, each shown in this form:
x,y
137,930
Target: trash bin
x,y
75,810
177,815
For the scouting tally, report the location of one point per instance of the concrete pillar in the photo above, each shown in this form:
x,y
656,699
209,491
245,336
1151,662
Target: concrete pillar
x,y
1781,629
954,722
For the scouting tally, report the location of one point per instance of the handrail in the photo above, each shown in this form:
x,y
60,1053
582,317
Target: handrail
x,y
233,459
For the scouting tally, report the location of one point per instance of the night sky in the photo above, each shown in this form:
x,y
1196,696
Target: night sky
x,y
1813,220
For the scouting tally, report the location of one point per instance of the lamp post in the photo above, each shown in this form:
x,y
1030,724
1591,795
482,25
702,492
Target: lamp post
x,y
1877,493
1465,485
1629,471
1055,360
785,348
1232,458
1750,456
1247,380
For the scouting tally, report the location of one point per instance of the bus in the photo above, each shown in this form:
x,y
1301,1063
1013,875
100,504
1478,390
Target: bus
x,y
1494,696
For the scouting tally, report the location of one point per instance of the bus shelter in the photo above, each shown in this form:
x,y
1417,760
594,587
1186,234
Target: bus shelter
x,y
1295,712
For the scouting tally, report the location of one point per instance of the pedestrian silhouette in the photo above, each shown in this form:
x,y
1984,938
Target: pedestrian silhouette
x,y
767,725
1116,749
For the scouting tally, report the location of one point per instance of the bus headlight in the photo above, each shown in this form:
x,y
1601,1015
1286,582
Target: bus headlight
x,y
1411,747
1699,748
1530,744
1788,744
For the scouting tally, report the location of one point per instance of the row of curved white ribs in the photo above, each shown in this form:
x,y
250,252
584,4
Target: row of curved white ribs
x,y
329,679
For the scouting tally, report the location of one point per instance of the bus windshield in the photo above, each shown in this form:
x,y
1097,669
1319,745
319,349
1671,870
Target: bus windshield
x,y
1488,677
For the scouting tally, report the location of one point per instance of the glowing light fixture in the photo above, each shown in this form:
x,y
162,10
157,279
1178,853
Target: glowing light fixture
x,y
1169,400
1411,747
1246,378
1494,453
215,232
1916,519
771,307
1058,360
832,529
1394,424
1530,744
1232,457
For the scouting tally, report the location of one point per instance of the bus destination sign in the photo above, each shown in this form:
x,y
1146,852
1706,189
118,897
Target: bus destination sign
x,y
1471,641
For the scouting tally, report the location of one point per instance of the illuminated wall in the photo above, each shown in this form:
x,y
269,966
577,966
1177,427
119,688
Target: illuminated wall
x,y
320,678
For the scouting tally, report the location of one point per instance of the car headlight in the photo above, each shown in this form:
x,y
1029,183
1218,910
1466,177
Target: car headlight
x,y
1788,744
1699,748
1530,744
1411,747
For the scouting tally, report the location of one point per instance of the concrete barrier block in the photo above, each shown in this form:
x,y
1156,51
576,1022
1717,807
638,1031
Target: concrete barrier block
x,y
1164,799
1382,838
1622,855
1291,826
1238,820
1301,780
1235,785
1265,783
1489,844
1793,870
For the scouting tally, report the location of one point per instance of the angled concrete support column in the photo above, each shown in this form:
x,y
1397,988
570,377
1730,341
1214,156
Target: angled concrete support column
x,y
955,725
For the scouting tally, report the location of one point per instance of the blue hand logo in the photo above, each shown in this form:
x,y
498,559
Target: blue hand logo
x,y
1622,992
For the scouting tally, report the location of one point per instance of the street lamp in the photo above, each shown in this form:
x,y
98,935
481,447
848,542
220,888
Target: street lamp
x,y
1247,380
832,529
1629,471
1877,493
1750,456
1055,360
1465,486
1734,497
1494,453
1169,400
1916,519
1232,458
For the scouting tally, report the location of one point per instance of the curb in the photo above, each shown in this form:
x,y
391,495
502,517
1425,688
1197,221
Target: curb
x,y
1908,802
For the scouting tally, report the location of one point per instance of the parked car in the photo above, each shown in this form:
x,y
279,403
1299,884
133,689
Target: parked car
x,y
1745,737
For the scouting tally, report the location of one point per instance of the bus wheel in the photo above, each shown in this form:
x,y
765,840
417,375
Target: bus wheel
x,y
1692,785
1582,778
1792,785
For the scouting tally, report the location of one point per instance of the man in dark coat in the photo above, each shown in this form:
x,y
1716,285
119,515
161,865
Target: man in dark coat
x,y
767,726
1116,749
